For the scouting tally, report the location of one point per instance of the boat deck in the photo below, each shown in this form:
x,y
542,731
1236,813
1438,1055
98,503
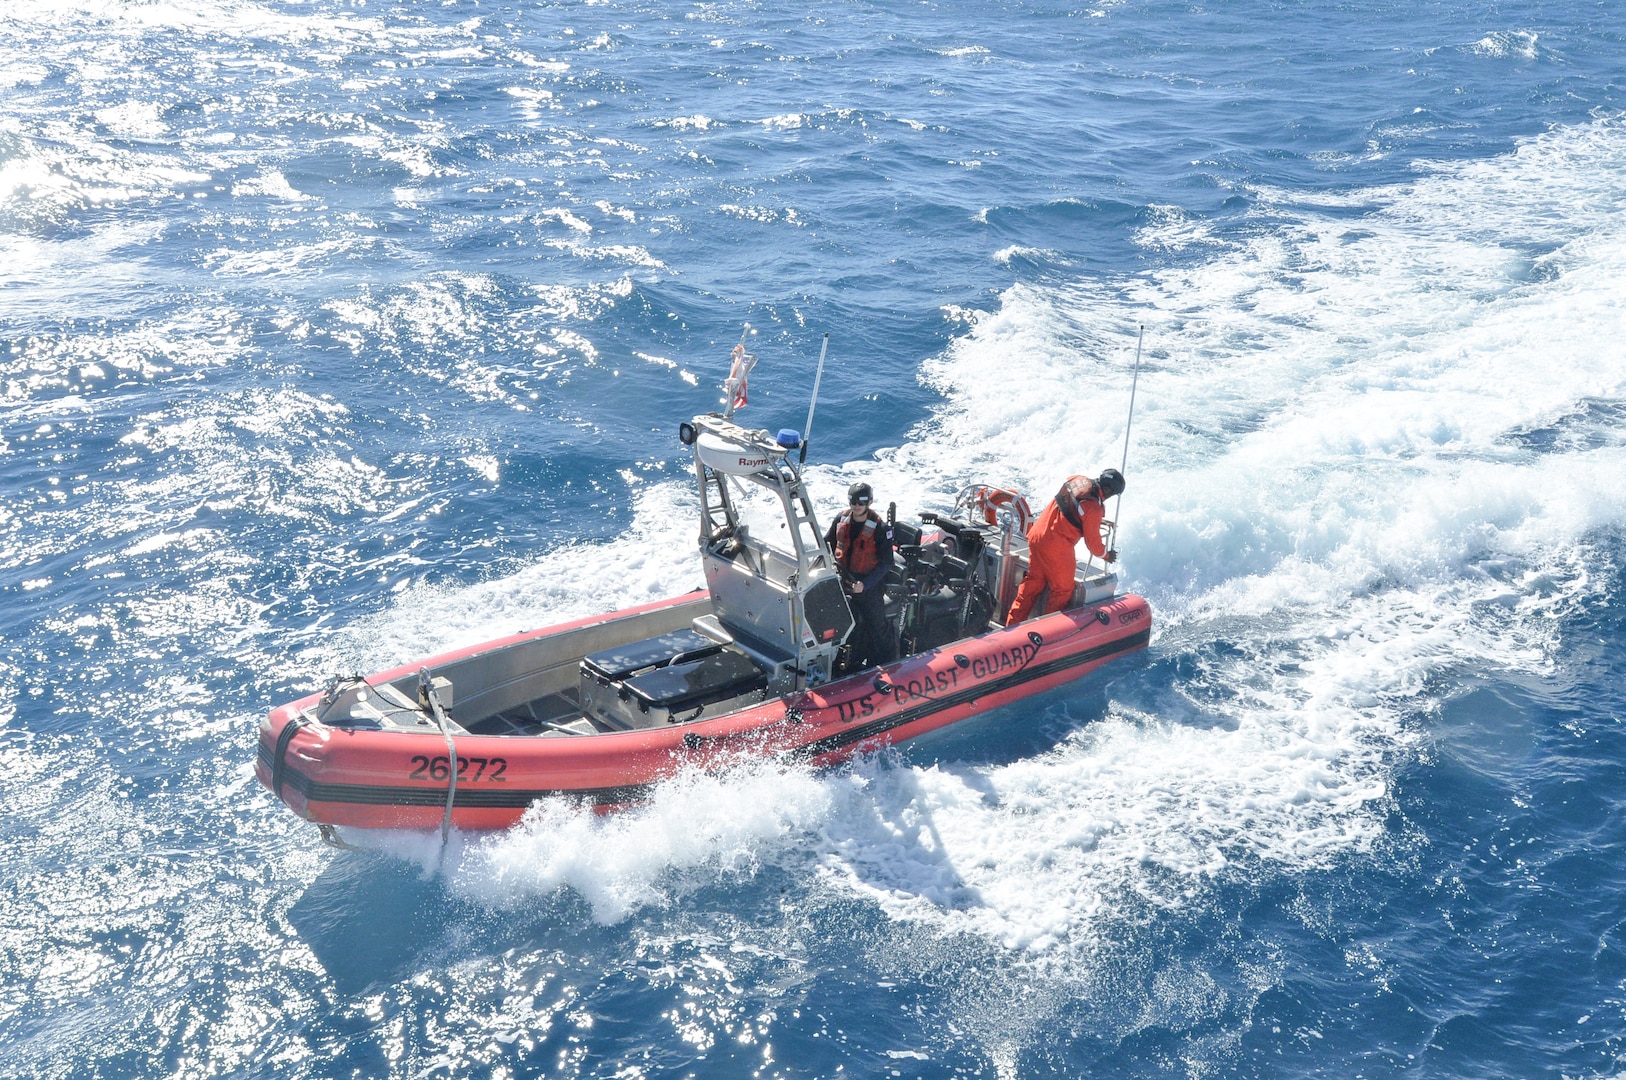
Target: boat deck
x,y
557,714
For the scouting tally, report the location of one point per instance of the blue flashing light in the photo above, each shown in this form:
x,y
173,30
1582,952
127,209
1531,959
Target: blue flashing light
x,y
789,438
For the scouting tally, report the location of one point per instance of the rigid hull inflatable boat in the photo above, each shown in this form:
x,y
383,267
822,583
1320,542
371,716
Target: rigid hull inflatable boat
x,y
602,708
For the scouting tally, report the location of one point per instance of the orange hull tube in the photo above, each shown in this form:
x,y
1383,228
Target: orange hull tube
x,y
379,779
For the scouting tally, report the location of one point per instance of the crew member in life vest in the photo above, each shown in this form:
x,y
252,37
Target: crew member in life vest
x,y
862,544
1074,514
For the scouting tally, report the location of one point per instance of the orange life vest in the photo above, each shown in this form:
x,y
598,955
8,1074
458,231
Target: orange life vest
x,y
1075,493
1074,515
856,554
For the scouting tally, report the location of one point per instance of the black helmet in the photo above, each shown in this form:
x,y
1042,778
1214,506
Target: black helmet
x,y
860,493
1110,483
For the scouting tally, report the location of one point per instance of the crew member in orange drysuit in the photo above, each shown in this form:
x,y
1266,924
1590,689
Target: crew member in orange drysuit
x,y
1074,514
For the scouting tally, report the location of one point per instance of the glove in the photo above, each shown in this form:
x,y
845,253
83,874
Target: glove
x,y
1111,557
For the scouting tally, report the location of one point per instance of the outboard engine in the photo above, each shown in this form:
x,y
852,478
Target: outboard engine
x,y
947,599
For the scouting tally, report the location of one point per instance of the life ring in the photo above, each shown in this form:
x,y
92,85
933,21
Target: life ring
x,y
991,500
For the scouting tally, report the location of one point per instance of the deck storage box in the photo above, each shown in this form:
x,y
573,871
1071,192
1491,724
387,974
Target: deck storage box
x,y
604,674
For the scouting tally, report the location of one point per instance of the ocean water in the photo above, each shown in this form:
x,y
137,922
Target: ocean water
x,y
337,332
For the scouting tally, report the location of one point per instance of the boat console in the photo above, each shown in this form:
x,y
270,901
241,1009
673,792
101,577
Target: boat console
x,y
781,605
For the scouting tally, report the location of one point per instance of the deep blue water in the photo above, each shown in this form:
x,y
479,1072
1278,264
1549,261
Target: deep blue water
x,y
340,333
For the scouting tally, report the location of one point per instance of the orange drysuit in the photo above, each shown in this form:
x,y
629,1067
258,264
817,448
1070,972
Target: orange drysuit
x,y
1051,540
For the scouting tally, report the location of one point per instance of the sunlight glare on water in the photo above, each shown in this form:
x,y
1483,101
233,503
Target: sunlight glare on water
x,y
342,334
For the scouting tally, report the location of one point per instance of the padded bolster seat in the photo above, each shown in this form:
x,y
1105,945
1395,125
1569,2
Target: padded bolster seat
x,y
694,684
612,665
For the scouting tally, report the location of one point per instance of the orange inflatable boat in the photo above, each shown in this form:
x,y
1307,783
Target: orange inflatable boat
x,y
755,663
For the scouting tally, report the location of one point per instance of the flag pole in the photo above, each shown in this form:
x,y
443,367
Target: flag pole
x,y
742,363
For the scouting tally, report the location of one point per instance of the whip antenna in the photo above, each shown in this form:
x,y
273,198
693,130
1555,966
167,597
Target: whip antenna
x,y
807,428
1134,381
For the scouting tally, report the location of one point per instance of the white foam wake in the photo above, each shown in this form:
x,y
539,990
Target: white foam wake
x,y
711,825
1341,476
